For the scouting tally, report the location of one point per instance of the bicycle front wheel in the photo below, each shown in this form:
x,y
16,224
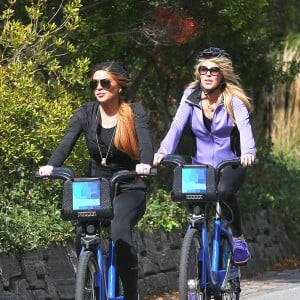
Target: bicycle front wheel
x,y
85,278
190,268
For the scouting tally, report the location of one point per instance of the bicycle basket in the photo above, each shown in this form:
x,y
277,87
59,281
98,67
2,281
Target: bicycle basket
x,y
194,183
86,199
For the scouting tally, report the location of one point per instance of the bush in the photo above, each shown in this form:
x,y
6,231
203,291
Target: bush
x,y
162,212
30,215
38,94
274,184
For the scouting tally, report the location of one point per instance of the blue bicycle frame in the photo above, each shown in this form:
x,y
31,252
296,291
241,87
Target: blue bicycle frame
x,y
211,274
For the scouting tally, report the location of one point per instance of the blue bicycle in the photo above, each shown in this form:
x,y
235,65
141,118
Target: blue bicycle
x,y
89,202
206,269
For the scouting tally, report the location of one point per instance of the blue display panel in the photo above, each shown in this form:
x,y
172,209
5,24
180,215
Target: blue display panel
x,y
193,180
86,195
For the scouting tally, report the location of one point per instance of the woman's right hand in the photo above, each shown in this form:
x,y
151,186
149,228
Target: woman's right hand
x,y
45,170
158,157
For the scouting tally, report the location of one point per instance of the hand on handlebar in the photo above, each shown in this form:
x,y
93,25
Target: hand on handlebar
x,y
158,158
46,170
247,160
143,169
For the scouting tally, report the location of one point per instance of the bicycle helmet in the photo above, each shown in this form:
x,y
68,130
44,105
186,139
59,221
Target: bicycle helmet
x,y
213,52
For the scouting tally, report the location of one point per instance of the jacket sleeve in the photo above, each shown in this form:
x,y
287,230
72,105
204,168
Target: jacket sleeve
x,y
242,118
170,142
68,141
143,132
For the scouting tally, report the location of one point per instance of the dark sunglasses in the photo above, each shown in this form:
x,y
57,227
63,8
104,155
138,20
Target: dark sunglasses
x,y
105,83
214,71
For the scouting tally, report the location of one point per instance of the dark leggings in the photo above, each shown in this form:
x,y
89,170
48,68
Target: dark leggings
x,y
129,208
230,181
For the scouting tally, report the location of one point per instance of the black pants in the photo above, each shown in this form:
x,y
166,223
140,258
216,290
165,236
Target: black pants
x,y
129,208
230,181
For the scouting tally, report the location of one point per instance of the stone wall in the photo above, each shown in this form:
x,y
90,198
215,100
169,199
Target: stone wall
x,y
49,274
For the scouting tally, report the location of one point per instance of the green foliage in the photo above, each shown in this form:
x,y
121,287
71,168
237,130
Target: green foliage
x,y
38,95
274,184
162,212
30,215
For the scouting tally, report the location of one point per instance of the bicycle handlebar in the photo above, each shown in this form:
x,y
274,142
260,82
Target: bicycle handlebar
x,y
173,159
62,173
178,160
65,173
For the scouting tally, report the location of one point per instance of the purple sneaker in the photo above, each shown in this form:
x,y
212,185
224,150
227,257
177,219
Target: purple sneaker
x,y
241,252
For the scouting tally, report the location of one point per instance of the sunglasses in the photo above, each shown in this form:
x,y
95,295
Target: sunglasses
x,y
105,83
214,71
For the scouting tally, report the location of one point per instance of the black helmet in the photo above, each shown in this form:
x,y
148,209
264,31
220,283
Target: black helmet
x,y
213,52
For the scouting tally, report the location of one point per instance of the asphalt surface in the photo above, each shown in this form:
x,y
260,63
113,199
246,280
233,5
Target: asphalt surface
x,y
282,282
272,285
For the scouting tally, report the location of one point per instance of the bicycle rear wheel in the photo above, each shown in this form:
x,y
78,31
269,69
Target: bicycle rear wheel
x,y
85,278
190,268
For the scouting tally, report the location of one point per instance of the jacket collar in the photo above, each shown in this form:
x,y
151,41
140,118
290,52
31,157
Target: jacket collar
x,y
195,96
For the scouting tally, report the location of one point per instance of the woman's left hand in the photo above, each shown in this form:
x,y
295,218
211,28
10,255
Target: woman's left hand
x,y
247,160
143,168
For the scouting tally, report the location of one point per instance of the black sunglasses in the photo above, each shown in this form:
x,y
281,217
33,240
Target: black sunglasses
x,y
105,83
214,71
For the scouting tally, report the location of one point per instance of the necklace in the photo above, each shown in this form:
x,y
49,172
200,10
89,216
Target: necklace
x,y
104,159
210,107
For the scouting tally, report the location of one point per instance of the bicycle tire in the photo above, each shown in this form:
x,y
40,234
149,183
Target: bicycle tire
x,y
233,290
190,268
85,278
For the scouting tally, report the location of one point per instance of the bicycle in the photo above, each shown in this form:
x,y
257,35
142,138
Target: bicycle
x,y
89,202
206,267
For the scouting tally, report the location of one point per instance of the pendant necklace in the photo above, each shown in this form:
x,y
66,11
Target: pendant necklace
x,y
209,106
104,159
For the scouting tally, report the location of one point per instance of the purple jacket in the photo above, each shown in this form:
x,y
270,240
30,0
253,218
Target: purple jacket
x,y
215,146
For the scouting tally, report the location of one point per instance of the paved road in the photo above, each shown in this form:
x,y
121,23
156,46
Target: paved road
x,y
273,285
282,282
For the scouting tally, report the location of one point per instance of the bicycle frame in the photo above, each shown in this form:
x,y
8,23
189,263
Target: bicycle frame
x,y
210,274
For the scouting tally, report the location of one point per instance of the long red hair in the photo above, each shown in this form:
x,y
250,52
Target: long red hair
x,y
126,137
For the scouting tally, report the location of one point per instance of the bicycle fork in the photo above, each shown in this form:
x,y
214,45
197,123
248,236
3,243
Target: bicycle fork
x,y
100,281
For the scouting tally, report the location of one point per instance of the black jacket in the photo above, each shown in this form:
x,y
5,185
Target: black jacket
x,y
85,121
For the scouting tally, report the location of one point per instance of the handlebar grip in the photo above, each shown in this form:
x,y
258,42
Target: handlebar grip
x,y
37,175
173,159
62,173
153,172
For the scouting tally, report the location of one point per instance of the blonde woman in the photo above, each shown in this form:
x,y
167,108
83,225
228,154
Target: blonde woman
x,y
117,137
217,110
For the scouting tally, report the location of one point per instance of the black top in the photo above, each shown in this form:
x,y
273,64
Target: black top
x,y
86,121
207,122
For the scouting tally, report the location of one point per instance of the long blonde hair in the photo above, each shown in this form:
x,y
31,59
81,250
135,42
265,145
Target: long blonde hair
x,y
231,85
